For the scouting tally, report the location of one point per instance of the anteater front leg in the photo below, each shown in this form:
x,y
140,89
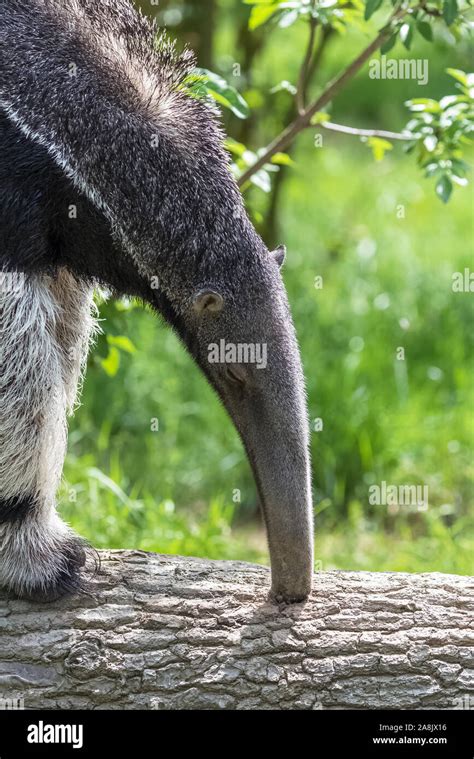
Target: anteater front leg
x,y
45,329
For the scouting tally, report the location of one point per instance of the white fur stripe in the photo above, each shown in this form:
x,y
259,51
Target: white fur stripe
x,y
45,331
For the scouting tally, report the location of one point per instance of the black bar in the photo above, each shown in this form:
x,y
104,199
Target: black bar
x,y
423,733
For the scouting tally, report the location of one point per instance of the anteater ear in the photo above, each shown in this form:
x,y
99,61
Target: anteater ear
x,y
208,300
279,254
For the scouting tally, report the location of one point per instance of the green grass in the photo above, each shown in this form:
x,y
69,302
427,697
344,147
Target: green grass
x,y
387,283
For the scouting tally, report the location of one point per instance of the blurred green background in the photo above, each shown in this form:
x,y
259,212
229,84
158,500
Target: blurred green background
x,y
153,461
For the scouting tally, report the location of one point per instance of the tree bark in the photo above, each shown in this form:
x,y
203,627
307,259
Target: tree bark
x,y
166,632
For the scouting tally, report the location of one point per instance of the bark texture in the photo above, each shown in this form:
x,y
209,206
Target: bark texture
x,y
166,632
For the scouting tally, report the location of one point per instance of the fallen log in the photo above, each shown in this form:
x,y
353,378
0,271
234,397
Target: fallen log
x,y
168,632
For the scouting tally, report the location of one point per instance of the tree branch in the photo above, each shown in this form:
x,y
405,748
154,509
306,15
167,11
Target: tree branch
x,y
365,132
303,120
326,33
303,77
168,632
270,225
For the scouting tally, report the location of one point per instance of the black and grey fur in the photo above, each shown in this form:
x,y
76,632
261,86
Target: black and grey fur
x,y
94,115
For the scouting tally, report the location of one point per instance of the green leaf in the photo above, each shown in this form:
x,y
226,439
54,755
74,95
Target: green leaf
x,y
122,342
425,30
319,118
461,181
111,364
234,147
261,179
430,142
224,93
379,147
406,35
284,85
388,44
261,13
450,100
444,188
450,11
288,18
465,79
423,104
370,7
432,169
282,159
459,166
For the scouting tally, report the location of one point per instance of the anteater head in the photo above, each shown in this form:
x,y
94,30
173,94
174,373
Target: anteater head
x,y
236,323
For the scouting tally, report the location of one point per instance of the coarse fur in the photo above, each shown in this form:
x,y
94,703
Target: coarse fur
x,y
46,327
112,172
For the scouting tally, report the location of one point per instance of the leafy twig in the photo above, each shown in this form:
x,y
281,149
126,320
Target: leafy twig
x,y
302,120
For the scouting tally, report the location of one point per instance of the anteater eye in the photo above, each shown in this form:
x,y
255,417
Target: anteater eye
x,y
235,375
